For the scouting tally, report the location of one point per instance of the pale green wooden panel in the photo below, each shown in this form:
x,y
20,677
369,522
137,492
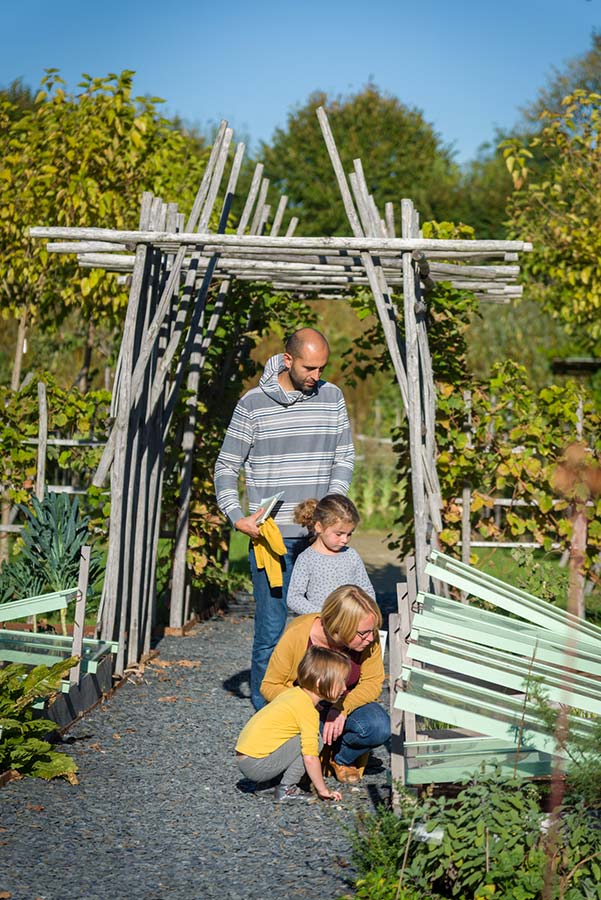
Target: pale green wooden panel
x,y
35,606
444,773
443,616
507,671
59,640
476,708
513,600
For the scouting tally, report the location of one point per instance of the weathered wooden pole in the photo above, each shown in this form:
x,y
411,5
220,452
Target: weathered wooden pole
x,y
415,417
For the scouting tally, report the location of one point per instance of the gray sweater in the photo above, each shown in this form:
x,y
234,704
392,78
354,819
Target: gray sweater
x,y
286,441
315,575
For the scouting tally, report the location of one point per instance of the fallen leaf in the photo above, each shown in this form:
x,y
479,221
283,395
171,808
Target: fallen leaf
x,y
167,699
5,895
189,663
72,778
97,748
33,806
116,737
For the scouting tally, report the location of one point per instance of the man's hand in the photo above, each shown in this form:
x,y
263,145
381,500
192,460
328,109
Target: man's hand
x,y
333,725
248,524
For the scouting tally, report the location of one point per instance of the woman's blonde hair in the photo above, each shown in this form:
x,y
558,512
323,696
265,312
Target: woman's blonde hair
x,y
330,509
323,671
342,611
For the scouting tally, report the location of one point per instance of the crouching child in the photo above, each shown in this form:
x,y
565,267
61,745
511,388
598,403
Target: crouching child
x,y
283,738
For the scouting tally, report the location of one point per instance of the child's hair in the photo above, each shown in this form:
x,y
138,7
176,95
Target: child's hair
x,y
342,611
330,509
322,671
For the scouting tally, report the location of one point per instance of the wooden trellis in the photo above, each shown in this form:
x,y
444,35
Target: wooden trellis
x,y
172,263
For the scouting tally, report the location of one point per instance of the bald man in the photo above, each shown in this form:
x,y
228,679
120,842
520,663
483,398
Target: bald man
x,y
291,434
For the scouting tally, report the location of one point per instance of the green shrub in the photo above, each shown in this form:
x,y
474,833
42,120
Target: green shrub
x,y
488,841
23,748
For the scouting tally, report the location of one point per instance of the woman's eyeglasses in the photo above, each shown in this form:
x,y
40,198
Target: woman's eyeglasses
x,y
363,634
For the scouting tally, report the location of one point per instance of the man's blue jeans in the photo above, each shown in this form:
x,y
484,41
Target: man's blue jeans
x,y
366,727
271,612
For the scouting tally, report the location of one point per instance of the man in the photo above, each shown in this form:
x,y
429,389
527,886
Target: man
x,y
291,434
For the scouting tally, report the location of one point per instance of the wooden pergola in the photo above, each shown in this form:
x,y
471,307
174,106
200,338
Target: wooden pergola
x,y
173,265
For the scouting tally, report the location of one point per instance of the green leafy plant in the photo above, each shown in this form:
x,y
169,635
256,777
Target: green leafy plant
x,y
540,576
488,841
23,748
52,538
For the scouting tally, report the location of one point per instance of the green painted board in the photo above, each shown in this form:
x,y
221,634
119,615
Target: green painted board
x,y
23,657
444,616
444,773
507,671
476,708
59,640
33,606
499,593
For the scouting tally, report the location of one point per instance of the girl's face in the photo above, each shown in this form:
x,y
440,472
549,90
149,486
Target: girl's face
x,y
339,689
364,635
334,538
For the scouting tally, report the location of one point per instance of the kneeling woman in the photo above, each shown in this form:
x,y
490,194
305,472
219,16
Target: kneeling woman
x,y
349,621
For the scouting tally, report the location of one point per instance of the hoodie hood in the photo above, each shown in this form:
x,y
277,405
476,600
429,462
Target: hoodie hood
x,y
270,385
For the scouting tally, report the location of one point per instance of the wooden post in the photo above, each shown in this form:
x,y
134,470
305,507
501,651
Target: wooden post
x,y
403,724
397,762
80,613
466,494
414,404
197,359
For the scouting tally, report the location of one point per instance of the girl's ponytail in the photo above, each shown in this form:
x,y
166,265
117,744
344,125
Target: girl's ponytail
x,y
304,513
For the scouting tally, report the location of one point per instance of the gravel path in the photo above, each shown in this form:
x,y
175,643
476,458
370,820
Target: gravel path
x,y
161,810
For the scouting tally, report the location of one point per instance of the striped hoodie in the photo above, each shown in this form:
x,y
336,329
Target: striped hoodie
x,y
287,441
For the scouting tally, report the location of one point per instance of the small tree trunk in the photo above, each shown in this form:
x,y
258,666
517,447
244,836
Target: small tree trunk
x,y
83,379
4,534
576,564
19,349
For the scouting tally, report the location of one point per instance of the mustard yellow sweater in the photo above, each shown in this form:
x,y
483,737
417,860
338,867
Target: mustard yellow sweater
x,y
291,714
292,646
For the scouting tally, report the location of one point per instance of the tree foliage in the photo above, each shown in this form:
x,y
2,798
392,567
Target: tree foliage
x,y
401,153
483,194
557,205
581,73
515,450
77,159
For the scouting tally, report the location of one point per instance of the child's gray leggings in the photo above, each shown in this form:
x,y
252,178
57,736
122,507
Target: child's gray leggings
x,y
286,759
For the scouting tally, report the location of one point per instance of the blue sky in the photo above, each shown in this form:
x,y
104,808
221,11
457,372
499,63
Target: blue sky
x,y
469,65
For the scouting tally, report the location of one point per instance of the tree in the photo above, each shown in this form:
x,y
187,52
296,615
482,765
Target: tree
x,y
581,73
557,205
19,96
402,156
483,193
80,159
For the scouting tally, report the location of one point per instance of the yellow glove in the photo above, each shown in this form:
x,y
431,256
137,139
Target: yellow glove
x,y
268,550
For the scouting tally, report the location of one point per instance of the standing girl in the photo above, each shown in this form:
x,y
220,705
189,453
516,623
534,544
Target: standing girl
x,y
328,563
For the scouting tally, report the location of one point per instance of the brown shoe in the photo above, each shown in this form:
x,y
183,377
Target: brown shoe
x,y
346,774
